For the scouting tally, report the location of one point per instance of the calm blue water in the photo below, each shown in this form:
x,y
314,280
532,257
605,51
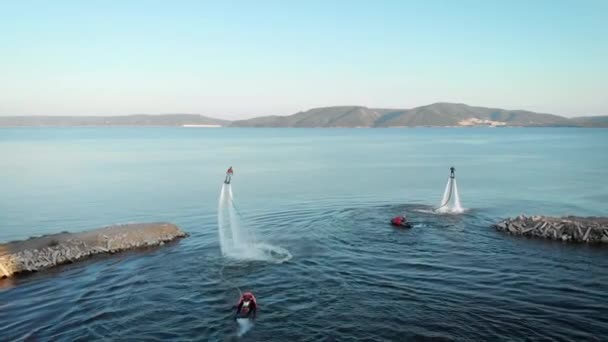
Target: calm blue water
x,y
325,195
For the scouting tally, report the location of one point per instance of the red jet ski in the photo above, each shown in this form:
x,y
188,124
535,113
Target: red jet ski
x,y
246,307
400,221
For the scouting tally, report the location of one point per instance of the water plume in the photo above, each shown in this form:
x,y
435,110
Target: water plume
x,y
238,241
450,202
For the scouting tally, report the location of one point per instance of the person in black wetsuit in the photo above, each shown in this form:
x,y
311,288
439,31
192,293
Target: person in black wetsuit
x,y
452,169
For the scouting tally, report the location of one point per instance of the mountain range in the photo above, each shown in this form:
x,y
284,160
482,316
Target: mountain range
x,y
433,115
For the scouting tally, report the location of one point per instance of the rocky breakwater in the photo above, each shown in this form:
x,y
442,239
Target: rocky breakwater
x,y
570,228
47,251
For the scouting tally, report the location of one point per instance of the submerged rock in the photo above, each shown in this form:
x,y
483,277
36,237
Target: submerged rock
x,y
570,228
47,251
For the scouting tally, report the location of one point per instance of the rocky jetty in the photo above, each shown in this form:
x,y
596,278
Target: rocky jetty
x,y
570,228
47,251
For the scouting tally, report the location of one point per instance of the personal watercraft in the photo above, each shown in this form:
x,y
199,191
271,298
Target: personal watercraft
x,y
400,221
246,307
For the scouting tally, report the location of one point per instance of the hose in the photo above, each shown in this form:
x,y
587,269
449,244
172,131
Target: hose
x,y
225,280
235,208
221,272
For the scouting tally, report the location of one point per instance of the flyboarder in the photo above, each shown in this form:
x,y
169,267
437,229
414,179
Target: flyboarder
x,y
452,169
228,175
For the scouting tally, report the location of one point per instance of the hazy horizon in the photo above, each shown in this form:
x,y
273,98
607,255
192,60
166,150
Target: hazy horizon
x,y
240,60
251,116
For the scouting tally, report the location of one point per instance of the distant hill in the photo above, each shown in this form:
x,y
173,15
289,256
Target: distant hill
x,y
433,115
128,120
437,114
453,114
591,121
347,116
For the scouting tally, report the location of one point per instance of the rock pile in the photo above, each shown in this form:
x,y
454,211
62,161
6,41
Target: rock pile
x,y
570,228
48,251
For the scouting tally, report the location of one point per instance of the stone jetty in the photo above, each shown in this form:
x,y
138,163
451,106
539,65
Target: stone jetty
x,y
47,251
570,228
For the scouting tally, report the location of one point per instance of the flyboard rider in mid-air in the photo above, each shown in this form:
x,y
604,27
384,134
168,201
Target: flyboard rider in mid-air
x,y
228,175
452,169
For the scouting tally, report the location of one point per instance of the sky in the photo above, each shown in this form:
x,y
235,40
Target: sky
x,y
239,59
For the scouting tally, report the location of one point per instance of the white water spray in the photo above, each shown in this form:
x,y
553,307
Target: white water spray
x,y
450,202
447,193
457,206
238,241
234,241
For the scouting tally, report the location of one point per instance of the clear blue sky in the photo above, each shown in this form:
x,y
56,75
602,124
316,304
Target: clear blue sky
x,y
234,59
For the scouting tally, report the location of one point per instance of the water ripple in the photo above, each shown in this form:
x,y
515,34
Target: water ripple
x,y
352,276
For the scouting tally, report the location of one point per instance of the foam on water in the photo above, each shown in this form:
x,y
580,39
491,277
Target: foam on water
x,y
238,241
